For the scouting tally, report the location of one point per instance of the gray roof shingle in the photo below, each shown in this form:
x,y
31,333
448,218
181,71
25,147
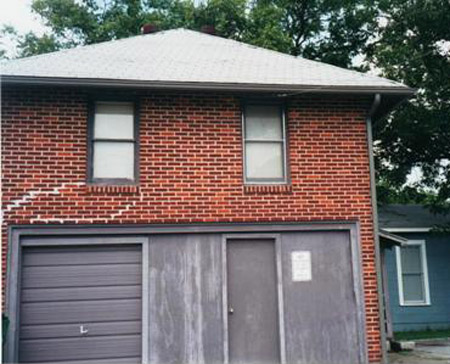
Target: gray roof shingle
x,y
182,57
409,216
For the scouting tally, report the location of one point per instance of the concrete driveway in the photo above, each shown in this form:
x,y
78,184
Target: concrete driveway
x,y
426,352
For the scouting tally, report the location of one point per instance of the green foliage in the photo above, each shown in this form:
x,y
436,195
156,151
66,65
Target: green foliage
x,y
31,44
5,328
329,30
87,22
326,30
228,17
265,28
386,193
418,133
424,334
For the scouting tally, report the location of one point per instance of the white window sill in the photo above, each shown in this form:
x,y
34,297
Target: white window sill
x,y
413,304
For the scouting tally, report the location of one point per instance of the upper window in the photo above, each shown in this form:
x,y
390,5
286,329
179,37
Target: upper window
x,y
413,274
264,144
113,143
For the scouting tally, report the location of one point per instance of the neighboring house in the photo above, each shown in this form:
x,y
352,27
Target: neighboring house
x,y
418,269
179,197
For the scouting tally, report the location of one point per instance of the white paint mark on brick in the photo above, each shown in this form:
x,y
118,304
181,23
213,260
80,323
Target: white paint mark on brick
x,y
125,209
33,194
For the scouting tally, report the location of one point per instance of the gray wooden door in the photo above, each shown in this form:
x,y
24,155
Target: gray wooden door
x,y
81,304
253,303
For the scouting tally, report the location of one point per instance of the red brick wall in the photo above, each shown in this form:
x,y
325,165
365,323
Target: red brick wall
x,y
190,168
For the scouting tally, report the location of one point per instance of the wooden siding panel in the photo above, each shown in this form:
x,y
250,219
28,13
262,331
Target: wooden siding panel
x,y
185,299
321,314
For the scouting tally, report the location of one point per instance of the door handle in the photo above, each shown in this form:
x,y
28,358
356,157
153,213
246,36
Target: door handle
x,y
83,331
230,310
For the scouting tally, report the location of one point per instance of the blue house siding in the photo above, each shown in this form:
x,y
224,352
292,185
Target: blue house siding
x,y
437,314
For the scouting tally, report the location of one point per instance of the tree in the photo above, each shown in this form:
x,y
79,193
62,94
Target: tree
x,y
229,17
411,49
28,44
325,30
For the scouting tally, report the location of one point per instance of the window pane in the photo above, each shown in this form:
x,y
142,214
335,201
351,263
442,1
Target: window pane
x,y
411,259
413,287
263,122
113,160
114,120
264,160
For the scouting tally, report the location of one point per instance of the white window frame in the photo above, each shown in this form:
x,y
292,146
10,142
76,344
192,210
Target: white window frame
x,y
426,285
265,181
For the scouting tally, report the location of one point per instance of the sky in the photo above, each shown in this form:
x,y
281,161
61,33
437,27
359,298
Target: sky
x,y
17,13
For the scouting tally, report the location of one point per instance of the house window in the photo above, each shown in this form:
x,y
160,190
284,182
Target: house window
x,y
264,144
413,274
113,143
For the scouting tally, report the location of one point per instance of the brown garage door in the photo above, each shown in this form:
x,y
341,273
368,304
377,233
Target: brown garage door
x,y
81,303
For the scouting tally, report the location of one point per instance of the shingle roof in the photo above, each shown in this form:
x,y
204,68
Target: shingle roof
x,y
184,57
409,216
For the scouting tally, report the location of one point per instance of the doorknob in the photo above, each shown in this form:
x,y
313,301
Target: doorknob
x,y
230,310
83,331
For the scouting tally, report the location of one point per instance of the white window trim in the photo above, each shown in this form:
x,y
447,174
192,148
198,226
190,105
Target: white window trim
x,y
284,150
423,253
408,230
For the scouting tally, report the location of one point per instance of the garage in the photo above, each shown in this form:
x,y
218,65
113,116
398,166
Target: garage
x,y
230,294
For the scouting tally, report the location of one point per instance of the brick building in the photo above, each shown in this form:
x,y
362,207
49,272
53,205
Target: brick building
x,y
179,197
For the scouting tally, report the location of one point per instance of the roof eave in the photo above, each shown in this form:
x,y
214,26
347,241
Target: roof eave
x,y
402,91
391,238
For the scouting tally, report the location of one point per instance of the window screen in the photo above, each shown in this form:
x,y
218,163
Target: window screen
x,y
113,142
413,274
264,144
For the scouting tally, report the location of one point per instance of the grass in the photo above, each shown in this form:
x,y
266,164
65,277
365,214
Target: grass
x,y
425,334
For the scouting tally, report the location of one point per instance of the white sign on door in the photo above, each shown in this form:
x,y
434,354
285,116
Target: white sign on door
x,y
301,266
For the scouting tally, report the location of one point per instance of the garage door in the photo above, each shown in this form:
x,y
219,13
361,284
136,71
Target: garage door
x,y
81,303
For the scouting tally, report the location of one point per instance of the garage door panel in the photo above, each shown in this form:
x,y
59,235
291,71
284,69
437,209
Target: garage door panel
x,y
73,330
66,287
80,348
80,311
43,256
80,293
130,360
80,275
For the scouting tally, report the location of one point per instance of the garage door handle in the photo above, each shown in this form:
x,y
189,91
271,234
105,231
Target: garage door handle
x,y
83,331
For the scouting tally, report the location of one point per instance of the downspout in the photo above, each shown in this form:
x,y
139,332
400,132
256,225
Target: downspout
x,y
373,192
